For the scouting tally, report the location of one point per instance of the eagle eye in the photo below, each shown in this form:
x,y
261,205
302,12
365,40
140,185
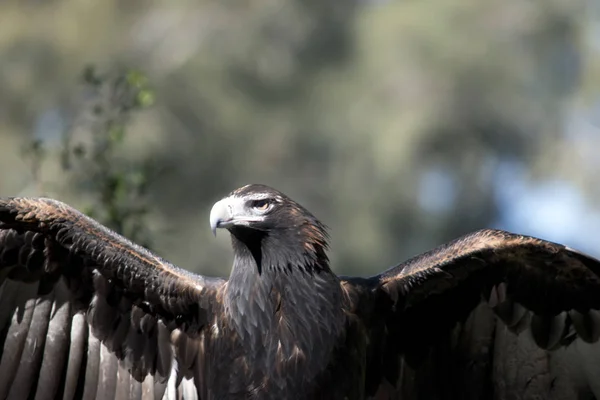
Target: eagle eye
x,y
260,205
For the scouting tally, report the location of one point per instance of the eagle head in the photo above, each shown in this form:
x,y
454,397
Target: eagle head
x,y
270,226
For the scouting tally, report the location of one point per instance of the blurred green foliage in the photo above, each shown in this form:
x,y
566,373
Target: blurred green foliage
x,y
389,120
117,189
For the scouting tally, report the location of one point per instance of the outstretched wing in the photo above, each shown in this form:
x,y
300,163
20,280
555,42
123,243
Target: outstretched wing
x,y
489,315
85,313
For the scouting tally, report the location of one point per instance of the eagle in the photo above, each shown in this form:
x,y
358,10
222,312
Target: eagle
x,y
87,314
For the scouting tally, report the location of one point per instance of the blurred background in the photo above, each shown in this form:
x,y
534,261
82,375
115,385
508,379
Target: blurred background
x,y
400,124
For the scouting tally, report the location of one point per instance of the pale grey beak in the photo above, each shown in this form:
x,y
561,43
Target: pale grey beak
x,y
220,213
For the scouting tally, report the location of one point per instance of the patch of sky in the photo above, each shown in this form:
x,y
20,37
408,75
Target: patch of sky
x,y
554,210
437,191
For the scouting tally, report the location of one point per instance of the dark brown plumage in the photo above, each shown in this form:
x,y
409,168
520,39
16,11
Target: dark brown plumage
x,y
84,313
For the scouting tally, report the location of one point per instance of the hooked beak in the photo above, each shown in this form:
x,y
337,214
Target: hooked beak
x,y
220,214
228,212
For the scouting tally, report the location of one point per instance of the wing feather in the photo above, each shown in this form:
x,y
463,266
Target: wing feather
x,y
8,297
85,313
461,314
16,336
107,380
123,388
76,356
545,277
29,367
56,349
135,388
92,368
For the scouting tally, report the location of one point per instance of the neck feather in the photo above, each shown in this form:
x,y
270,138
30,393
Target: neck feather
x,y
283,299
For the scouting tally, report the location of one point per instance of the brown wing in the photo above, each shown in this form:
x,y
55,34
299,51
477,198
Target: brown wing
x,y
85,313
489,315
